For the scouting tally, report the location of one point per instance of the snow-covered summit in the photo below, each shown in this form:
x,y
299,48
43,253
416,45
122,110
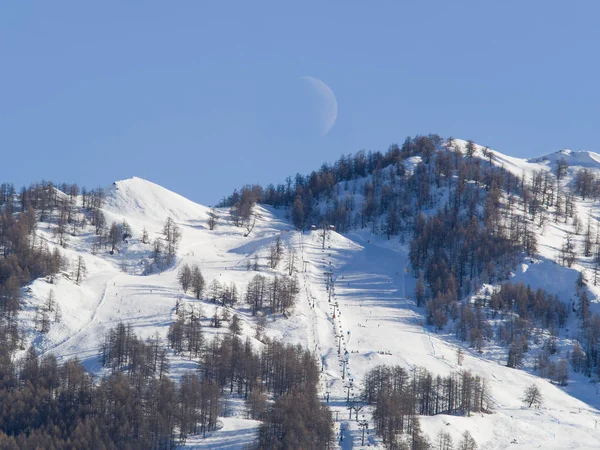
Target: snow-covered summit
x,y
583,158
142,198
575,159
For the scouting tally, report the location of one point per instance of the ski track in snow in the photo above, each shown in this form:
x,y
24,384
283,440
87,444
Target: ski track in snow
x,y
73,337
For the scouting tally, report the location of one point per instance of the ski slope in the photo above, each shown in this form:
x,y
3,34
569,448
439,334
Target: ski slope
x,y
381,326
369,313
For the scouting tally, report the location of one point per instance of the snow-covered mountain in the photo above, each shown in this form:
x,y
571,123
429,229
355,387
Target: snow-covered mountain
x,y
577,159
371,313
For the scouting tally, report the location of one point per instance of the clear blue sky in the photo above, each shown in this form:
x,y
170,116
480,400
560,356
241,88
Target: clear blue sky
x,y
204,96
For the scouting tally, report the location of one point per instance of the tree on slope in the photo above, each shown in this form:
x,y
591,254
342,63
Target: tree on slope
x,y
443,441
467,442
532,396
197,283
184,276
145,238
172,235
79,271
275,253
213,217
114,235
298,213
470,149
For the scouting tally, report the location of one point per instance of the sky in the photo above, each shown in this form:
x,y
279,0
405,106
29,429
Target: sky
x,y
203,97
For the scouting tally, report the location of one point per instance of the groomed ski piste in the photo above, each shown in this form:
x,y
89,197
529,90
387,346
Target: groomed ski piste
x,y
355,311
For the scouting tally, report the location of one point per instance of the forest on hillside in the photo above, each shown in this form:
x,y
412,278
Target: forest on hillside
x,y
466,222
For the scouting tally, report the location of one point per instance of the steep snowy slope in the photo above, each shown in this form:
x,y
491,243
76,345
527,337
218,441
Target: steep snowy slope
x,y
115,287
141,200
376,320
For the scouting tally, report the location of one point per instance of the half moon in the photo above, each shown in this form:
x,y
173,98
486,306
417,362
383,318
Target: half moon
x,y
329,109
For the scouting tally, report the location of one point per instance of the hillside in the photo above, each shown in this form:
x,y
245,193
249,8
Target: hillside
x,y
358,286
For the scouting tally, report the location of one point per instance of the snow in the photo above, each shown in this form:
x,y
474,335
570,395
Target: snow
x,y
411,162
140,200
584,159
375,314
233,434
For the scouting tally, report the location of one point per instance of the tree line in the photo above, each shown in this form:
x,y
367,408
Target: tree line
x,y
399,396
46,404
278,381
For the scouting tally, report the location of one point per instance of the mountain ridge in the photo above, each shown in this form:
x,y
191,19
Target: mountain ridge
x,y
371,273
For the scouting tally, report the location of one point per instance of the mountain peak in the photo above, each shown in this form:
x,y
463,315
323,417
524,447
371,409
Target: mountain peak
x,y
574,158
139,197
